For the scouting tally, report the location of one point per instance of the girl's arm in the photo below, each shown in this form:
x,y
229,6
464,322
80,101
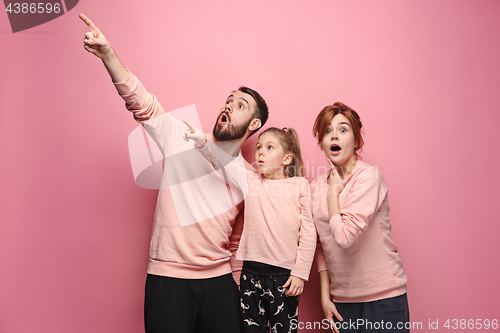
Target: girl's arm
x,y
295,286
306,241
329,308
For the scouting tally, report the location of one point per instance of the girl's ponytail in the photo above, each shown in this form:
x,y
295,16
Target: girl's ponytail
x,y
295,168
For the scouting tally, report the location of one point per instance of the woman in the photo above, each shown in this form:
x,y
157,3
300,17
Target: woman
x,y
362,281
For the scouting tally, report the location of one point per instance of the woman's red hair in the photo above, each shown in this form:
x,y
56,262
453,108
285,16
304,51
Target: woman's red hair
x,y
325,117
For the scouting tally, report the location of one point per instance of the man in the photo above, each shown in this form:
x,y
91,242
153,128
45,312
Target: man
x,y
189,287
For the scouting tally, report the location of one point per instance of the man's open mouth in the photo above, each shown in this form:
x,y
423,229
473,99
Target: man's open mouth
x,y
224,119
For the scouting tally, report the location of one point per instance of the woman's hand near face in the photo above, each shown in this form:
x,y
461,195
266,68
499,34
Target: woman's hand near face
x,y
335,186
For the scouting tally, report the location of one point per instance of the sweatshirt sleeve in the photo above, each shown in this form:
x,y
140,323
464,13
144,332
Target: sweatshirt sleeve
x,y
320,258
165,130
360,204
307,236
137,99
234,241
319,255
226,164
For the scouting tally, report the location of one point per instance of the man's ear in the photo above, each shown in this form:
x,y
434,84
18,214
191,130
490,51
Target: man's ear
x,y
255,124
287,159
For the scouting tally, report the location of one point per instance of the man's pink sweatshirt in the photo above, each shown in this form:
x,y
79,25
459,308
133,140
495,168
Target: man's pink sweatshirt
x,y
195,213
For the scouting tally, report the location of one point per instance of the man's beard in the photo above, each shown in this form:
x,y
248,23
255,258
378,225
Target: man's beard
x,y
231,132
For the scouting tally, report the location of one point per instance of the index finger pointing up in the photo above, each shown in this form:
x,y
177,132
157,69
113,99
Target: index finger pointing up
x,y
88,22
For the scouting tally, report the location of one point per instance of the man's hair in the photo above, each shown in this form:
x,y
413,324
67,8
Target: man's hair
x,y
261,112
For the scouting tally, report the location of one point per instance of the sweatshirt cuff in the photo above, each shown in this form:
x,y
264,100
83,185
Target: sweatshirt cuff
x,y
321,260
200,147
304,277
127,86
334,222
322,266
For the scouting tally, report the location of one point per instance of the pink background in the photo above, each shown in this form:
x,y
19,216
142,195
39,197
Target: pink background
x,y
423,74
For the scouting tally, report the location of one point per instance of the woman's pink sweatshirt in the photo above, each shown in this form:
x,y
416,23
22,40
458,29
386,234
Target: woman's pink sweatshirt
x,y
278,228
195,212
356,246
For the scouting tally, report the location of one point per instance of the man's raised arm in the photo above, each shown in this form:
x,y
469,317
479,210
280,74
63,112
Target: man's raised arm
x,y
137,99
97,44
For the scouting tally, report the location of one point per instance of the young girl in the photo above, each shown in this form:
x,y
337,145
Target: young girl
x,y
279,238
359,265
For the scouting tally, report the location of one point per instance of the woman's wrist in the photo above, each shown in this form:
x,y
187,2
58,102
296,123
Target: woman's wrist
x,y
332,194
325,299
325,294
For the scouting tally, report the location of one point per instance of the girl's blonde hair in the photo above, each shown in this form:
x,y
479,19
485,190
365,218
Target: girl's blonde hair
x,y
289,139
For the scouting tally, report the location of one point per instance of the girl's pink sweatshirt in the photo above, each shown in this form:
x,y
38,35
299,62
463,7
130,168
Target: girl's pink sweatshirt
x,y
356,246
195,212
278,228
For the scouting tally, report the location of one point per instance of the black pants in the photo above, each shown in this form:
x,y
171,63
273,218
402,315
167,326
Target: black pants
x,y
383,315
191,305
264,305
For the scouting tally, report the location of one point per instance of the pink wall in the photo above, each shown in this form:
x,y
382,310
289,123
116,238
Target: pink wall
x,y
424,75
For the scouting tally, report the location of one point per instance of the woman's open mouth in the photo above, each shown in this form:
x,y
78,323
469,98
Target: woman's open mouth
x,y
335,149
